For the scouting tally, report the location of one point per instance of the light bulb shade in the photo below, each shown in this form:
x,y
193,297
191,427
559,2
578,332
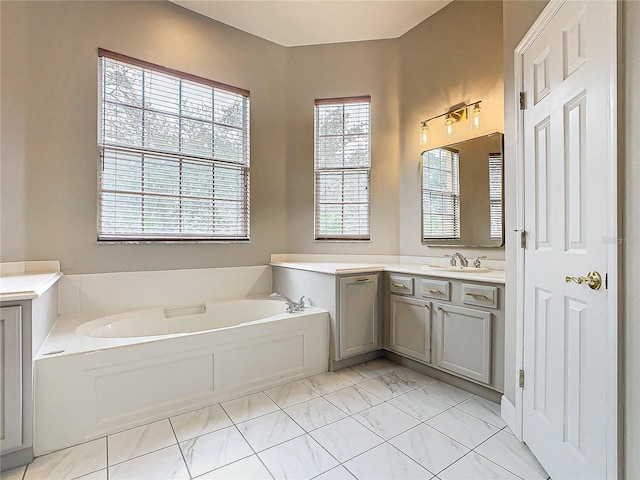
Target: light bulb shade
x,y
475,117
448,126
424,134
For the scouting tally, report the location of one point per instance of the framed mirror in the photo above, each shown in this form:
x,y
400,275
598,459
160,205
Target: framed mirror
x,y
463,193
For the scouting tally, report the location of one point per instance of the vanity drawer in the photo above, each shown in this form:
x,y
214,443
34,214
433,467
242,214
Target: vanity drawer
x,y
435,289
401,284
480,295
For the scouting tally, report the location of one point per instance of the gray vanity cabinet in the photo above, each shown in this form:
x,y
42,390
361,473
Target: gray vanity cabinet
x,y
358,315
410,327
11,384
453,325
463,341
24,325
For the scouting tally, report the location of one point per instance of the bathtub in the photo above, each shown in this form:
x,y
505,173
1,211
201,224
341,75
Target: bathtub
x,y
97,376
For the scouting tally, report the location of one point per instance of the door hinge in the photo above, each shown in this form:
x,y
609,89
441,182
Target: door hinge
x,y
521,379
523,239
523,100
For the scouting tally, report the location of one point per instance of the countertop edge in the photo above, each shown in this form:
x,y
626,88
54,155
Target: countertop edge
x,y
36,292
334,269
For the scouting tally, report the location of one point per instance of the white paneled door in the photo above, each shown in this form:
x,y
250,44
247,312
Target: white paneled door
x,y
568,75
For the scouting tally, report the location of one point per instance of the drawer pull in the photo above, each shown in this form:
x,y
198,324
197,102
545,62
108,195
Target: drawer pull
x,y
398,285
363,280
433,290
477,295
441,309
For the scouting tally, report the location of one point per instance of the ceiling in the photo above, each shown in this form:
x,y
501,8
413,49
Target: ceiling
x,y
310,22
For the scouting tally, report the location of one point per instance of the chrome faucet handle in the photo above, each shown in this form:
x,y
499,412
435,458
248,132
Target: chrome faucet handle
x,y
300,303
452,262
476,261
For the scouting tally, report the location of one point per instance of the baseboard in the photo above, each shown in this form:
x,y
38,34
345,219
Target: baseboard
x,y
16,459
335,365
508,413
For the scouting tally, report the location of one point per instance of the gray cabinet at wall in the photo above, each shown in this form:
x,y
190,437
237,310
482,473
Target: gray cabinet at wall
x,y
452,325
11,393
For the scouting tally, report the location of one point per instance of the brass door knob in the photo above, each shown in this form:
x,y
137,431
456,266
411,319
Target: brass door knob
x,y
593,279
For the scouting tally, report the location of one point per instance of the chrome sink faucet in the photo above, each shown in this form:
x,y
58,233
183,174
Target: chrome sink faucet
x,y
463,261
291,306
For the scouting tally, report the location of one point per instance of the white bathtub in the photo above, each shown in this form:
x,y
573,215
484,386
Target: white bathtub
x,y
96,376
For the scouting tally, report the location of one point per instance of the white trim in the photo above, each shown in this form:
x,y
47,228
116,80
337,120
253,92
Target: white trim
x,y
614,448
611,407
508,413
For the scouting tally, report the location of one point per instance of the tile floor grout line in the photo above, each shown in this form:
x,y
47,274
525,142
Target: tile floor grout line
x,y
254,453
184,460
493,424
496,463
106,447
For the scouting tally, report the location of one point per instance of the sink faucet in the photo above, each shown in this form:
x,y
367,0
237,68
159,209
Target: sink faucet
x,y
463,261
291,306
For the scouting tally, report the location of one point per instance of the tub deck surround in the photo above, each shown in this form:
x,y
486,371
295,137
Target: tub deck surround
x,y
108,293
27,280
96,386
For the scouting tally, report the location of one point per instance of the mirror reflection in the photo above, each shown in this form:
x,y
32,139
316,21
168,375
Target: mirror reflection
x,y
462,193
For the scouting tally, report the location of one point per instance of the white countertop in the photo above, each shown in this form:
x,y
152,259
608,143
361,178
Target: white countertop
x,y
27,280
492,276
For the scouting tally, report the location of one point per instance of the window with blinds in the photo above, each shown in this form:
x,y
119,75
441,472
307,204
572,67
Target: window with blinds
x,y
495,195
440,194
342,168
174,155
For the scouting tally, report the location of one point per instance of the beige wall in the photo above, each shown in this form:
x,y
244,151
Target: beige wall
x,y
630,285
517,18
49,152
13,168
454,56
49,148
343,70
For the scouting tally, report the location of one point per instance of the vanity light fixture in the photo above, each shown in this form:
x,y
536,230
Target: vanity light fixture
x,y
456,113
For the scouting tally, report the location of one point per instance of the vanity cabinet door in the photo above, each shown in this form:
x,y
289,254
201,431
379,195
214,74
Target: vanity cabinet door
x,y
410,327
463,341
358,315
11,379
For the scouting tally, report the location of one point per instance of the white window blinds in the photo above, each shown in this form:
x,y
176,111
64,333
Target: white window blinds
x,y
440,194
342,168
495,195
174,155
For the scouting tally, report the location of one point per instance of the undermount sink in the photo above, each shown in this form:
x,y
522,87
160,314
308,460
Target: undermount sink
x,y
448,268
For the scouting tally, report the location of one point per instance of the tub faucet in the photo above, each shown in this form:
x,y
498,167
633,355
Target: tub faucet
x,y
291,306
463,261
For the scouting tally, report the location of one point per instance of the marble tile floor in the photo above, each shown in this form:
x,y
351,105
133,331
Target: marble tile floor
x,y
377,420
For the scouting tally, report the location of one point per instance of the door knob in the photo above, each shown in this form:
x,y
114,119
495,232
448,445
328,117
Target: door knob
x,y
593,279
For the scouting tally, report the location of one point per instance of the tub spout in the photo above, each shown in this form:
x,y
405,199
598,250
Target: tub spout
x,y
291,306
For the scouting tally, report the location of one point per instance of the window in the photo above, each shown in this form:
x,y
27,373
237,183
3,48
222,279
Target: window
x,y
342,168
495,195
440,194
174,155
